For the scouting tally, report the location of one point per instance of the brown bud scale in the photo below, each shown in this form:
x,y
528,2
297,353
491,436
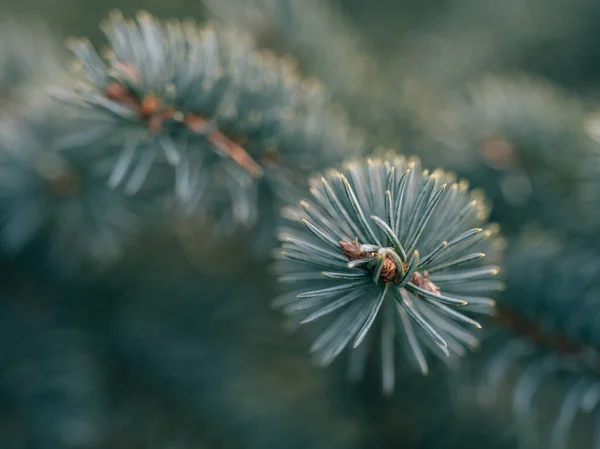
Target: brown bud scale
x,y
389,272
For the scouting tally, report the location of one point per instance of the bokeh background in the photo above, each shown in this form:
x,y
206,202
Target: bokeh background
x,y
176,347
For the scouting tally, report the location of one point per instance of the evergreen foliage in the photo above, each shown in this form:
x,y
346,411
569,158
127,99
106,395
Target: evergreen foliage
x,y
522,141
539,360
233,122
416,262
300,29
173,184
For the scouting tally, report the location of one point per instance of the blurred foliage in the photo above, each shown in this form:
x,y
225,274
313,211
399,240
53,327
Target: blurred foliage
x,y
174,346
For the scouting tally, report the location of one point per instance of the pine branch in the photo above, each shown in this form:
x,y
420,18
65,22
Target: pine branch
x,y
300,28
547,397
415,262
560,293
200,121
237,127
540,361
523,141
329,48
